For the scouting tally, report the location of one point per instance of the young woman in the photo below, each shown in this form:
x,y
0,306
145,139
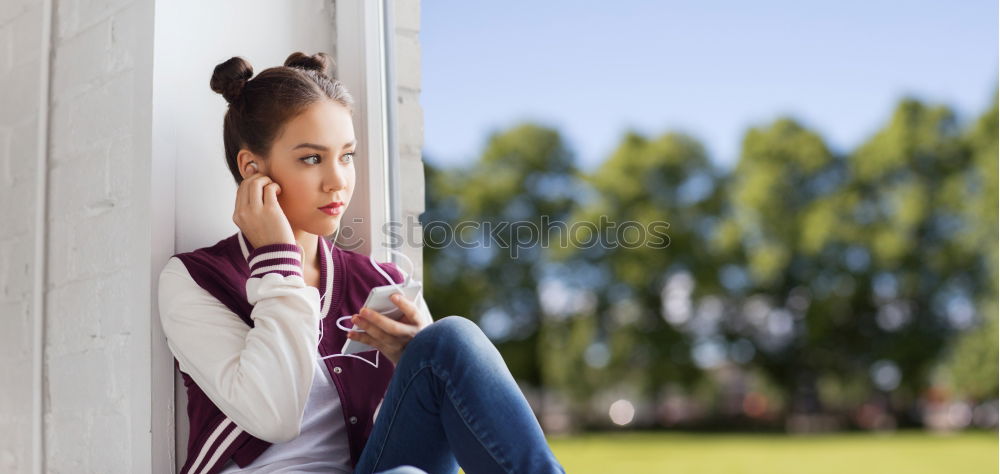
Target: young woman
x,y
252,320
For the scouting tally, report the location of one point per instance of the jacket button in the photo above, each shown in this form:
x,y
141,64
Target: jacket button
x,y
354,420
337,370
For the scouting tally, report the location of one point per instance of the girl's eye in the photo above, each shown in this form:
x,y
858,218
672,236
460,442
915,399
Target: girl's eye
x,y
347,158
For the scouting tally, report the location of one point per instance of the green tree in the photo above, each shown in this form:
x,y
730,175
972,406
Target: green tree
x,y
972,367
652,206
849,275
489,268
972,194
905,217
780,194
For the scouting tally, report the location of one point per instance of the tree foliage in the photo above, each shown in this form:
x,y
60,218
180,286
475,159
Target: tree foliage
x,y
816,268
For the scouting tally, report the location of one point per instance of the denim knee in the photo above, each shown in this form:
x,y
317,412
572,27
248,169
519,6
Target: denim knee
x,y
452,337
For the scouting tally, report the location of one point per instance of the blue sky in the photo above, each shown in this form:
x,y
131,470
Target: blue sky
x,y
709,68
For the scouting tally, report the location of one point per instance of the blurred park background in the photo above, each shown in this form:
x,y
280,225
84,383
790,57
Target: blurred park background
x,y
829,264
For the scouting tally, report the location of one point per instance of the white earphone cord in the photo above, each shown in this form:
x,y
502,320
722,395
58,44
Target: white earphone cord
x,y
378,268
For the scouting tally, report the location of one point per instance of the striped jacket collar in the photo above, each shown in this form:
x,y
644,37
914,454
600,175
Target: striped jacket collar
x,y
326,275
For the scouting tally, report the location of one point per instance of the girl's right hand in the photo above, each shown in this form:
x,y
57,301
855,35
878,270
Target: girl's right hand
x,y
258,213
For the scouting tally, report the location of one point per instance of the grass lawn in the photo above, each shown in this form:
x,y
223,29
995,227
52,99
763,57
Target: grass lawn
x,y
904,452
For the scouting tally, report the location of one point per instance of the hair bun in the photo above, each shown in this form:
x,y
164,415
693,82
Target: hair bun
x,y
319,62
229,78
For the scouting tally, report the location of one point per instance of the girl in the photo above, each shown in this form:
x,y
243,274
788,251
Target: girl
x,y
252,320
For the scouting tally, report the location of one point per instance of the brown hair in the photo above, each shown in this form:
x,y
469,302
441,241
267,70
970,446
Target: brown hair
x,y
260,107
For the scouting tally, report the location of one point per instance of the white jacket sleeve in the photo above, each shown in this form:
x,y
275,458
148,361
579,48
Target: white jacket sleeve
x,y
259,377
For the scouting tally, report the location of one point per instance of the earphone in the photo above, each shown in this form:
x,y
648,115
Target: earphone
x,y
408,283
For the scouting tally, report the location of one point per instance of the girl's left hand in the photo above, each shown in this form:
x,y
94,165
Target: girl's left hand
x,y
390,337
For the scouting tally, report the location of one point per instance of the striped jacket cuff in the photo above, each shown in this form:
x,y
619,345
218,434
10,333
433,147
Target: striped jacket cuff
x,y
283,259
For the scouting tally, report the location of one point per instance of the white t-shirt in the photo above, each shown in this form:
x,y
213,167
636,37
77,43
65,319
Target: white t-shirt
x,y
322,445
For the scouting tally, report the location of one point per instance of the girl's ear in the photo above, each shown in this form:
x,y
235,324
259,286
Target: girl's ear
x,y
248,163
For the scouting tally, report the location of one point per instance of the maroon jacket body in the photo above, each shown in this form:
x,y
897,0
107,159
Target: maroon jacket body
x,y
223,270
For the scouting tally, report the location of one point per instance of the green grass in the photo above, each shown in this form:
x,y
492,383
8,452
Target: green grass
x,y
903,452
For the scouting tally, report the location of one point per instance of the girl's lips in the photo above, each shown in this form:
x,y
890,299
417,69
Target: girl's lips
x,y
332,211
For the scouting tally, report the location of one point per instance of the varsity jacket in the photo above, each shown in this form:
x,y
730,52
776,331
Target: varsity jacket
x,y
265,285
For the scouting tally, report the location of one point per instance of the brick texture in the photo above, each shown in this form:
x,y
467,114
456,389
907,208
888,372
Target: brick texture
x,y
92,236
410,125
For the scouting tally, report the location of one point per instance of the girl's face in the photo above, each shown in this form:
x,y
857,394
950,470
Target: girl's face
x,y
313,162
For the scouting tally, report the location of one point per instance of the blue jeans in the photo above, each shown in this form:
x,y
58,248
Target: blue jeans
x,y
452,401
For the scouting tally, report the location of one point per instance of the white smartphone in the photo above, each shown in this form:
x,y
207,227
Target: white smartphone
x,y
378,300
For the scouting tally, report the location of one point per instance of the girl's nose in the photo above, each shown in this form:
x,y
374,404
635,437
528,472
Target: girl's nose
x,y
334,179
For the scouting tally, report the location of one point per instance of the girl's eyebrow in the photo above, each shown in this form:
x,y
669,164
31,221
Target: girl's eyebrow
x,y
321,147
310,145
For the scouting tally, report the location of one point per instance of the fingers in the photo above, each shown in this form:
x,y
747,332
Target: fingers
x,y
381,332
255,193
406,306
362,337
382,326
374,335
249,196
360,322
271,192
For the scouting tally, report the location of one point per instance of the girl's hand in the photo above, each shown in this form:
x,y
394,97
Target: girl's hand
x,y
257,212
390,337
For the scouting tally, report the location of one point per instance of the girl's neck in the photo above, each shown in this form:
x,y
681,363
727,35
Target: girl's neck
x,y
309,243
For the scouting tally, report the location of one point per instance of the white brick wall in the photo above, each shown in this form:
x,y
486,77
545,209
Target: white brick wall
x,y
90,230
21,64
410,122
97,321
